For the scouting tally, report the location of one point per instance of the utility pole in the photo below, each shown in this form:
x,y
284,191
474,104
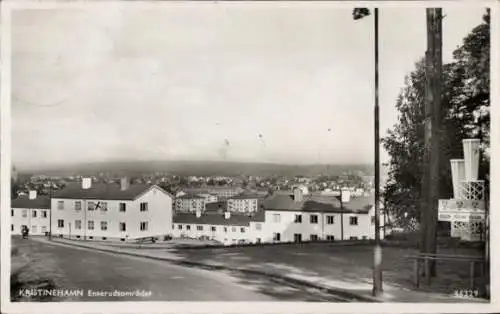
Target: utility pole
x,y
359,13
430,180
377,254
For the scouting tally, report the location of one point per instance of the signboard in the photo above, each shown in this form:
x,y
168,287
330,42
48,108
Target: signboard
x,y
459,205
444,217
458,216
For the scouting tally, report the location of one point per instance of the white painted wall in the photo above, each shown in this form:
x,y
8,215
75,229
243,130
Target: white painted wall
x,y
158,217
37,225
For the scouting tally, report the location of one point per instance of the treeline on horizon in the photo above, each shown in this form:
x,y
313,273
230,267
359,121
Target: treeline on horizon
x,y
200,168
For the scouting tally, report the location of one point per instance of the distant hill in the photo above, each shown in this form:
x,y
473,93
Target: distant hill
x,y
201,168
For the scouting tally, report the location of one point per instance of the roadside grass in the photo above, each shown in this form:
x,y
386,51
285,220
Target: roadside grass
x,y
349,264
31,270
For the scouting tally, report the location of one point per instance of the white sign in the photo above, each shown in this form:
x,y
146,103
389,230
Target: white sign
x,y
461,205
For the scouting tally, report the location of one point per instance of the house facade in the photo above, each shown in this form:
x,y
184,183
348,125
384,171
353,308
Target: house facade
x,y
243,203
224,227
190,203
111,211
31,211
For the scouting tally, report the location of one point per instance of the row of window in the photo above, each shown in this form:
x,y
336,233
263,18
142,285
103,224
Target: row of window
x,y
103,206
34,228
313,219
33,213
212,228
143,225
297,237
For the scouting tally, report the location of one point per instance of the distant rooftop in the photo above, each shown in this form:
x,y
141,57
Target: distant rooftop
x,y
190,196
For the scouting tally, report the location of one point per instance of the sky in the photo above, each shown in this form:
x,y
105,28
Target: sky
x,y
262,83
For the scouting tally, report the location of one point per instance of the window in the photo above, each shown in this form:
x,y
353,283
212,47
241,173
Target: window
x,y
297,237
276,236
353,221
44,214
314,237
25,213
60,223
144,207
330,238
298,218
90,225
91,237
330,220
212,228
242,230
60,204
225,229
276,218
144,226
188,227
78,224
103,206
123,207
123,226
199,228
33,213
11,227
313,219
12,212
104,225
258,226
233,229
78,205
179,227
91,205
373,220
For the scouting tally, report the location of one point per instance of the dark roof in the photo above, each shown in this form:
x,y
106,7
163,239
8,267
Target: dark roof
x,y
246,196
190,196
215,206
283,202
23,201
103,191
212,219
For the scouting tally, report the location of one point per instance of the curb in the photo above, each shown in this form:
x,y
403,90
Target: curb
x,y
338,292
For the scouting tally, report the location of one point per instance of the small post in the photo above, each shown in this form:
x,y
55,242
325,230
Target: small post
x,y
417,274
472,273
427,270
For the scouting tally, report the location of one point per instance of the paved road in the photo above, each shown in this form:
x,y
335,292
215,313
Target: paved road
x,y
76,268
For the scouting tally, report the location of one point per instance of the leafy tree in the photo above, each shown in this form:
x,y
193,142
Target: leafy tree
x,y
465,114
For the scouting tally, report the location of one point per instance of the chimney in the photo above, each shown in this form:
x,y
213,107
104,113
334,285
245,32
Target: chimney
x,y
124,183
297,195
227,214
345,195
198,213
32,195
86,183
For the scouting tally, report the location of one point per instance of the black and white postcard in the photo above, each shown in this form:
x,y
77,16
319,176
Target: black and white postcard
x,y
249,156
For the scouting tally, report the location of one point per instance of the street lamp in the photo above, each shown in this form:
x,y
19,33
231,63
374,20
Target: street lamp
x,y
359,13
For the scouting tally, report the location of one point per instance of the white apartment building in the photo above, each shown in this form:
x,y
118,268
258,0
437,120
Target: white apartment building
x,y
224,227
32,211
189,203
111,211
295,218
243,203
222,192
